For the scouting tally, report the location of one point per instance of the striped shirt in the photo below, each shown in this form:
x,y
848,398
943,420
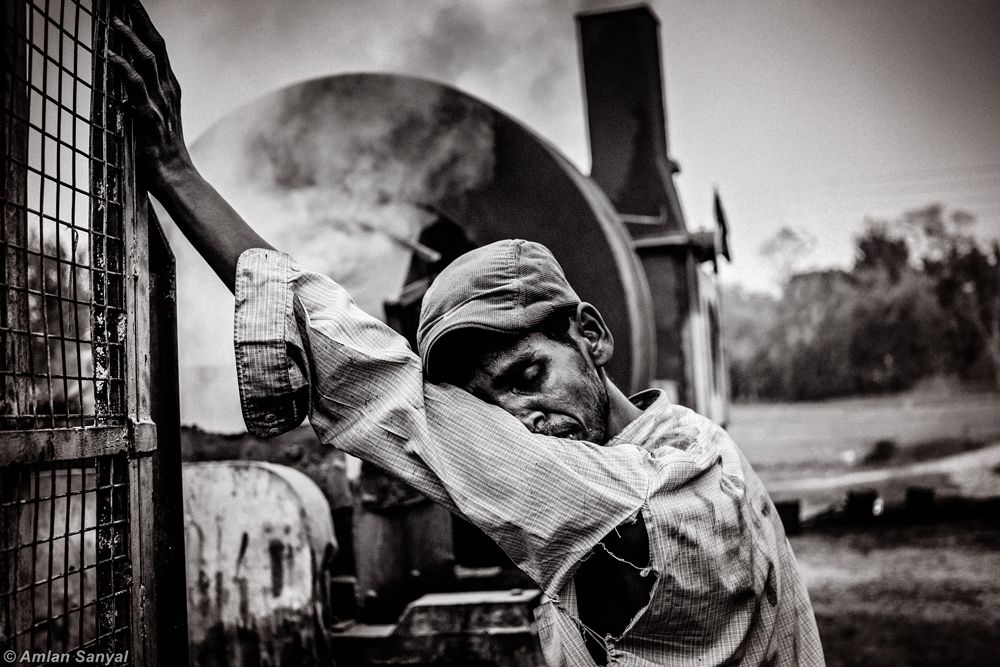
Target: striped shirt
x,y
726,586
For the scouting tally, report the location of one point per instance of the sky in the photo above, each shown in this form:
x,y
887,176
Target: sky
x,y
804,114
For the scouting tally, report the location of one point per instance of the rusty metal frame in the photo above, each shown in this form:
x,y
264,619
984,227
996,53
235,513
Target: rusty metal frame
x,y
62,444
127,436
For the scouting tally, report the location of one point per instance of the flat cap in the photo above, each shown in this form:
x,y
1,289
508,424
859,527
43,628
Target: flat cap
x,y
509,286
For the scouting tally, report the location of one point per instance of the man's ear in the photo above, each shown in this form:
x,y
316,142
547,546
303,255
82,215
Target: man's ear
x,y
600,343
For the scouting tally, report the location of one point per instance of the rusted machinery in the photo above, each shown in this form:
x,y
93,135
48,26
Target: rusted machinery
x,y
246,586
380,181
265,585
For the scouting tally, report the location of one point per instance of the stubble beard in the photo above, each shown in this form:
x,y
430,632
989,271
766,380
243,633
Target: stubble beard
x,y
597,411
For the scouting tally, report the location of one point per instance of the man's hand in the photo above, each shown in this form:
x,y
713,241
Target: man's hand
x,y
208,221
155,97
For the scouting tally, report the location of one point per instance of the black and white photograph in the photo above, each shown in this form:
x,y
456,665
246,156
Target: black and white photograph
x,y
500,333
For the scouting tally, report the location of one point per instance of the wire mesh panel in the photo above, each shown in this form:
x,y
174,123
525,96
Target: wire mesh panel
x,y
68,574
62,316
69,486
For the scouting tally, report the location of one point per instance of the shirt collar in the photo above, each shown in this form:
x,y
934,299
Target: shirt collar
x,y
645,399
655,408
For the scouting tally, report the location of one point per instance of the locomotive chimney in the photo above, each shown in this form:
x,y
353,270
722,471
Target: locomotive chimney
x,y
626,118
631,162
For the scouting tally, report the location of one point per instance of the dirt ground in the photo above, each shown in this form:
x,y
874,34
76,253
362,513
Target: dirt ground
x,y
888,592
906,595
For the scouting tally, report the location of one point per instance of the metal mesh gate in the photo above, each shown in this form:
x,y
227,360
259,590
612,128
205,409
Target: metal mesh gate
x,y
70,571
63,316
77,436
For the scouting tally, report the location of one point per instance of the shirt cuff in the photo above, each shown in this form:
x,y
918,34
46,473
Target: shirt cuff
x,y
274,389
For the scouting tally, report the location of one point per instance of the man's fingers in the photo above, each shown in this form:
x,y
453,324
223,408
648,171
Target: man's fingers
x,y
135,85
144,26
143,56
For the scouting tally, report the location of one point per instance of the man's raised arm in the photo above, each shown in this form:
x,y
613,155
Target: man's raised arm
x,y
207,220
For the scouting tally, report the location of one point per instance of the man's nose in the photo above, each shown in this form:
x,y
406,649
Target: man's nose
x,y
532,419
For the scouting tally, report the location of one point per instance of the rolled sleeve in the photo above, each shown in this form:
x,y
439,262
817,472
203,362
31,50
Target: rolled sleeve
x,y
274,388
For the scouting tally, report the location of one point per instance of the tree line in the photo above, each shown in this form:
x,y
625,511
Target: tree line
x,y
921,299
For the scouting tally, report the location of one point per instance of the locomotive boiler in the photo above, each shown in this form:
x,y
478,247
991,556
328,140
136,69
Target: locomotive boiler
x,y
380,180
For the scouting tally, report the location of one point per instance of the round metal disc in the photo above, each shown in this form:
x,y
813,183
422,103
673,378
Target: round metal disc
x,y
348,173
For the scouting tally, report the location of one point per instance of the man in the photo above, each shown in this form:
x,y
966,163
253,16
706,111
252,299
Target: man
x,y
652,538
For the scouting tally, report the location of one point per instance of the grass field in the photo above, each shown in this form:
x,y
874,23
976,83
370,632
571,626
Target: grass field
x,y
795,438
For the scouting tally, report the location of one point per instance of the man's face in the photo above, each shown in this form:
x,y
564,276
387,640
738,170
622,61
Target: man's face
x,y
552,386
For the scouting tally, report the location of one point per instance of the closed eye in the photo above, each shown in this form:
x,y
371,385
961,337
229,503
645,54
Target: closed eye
x,y
530,377
519,373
